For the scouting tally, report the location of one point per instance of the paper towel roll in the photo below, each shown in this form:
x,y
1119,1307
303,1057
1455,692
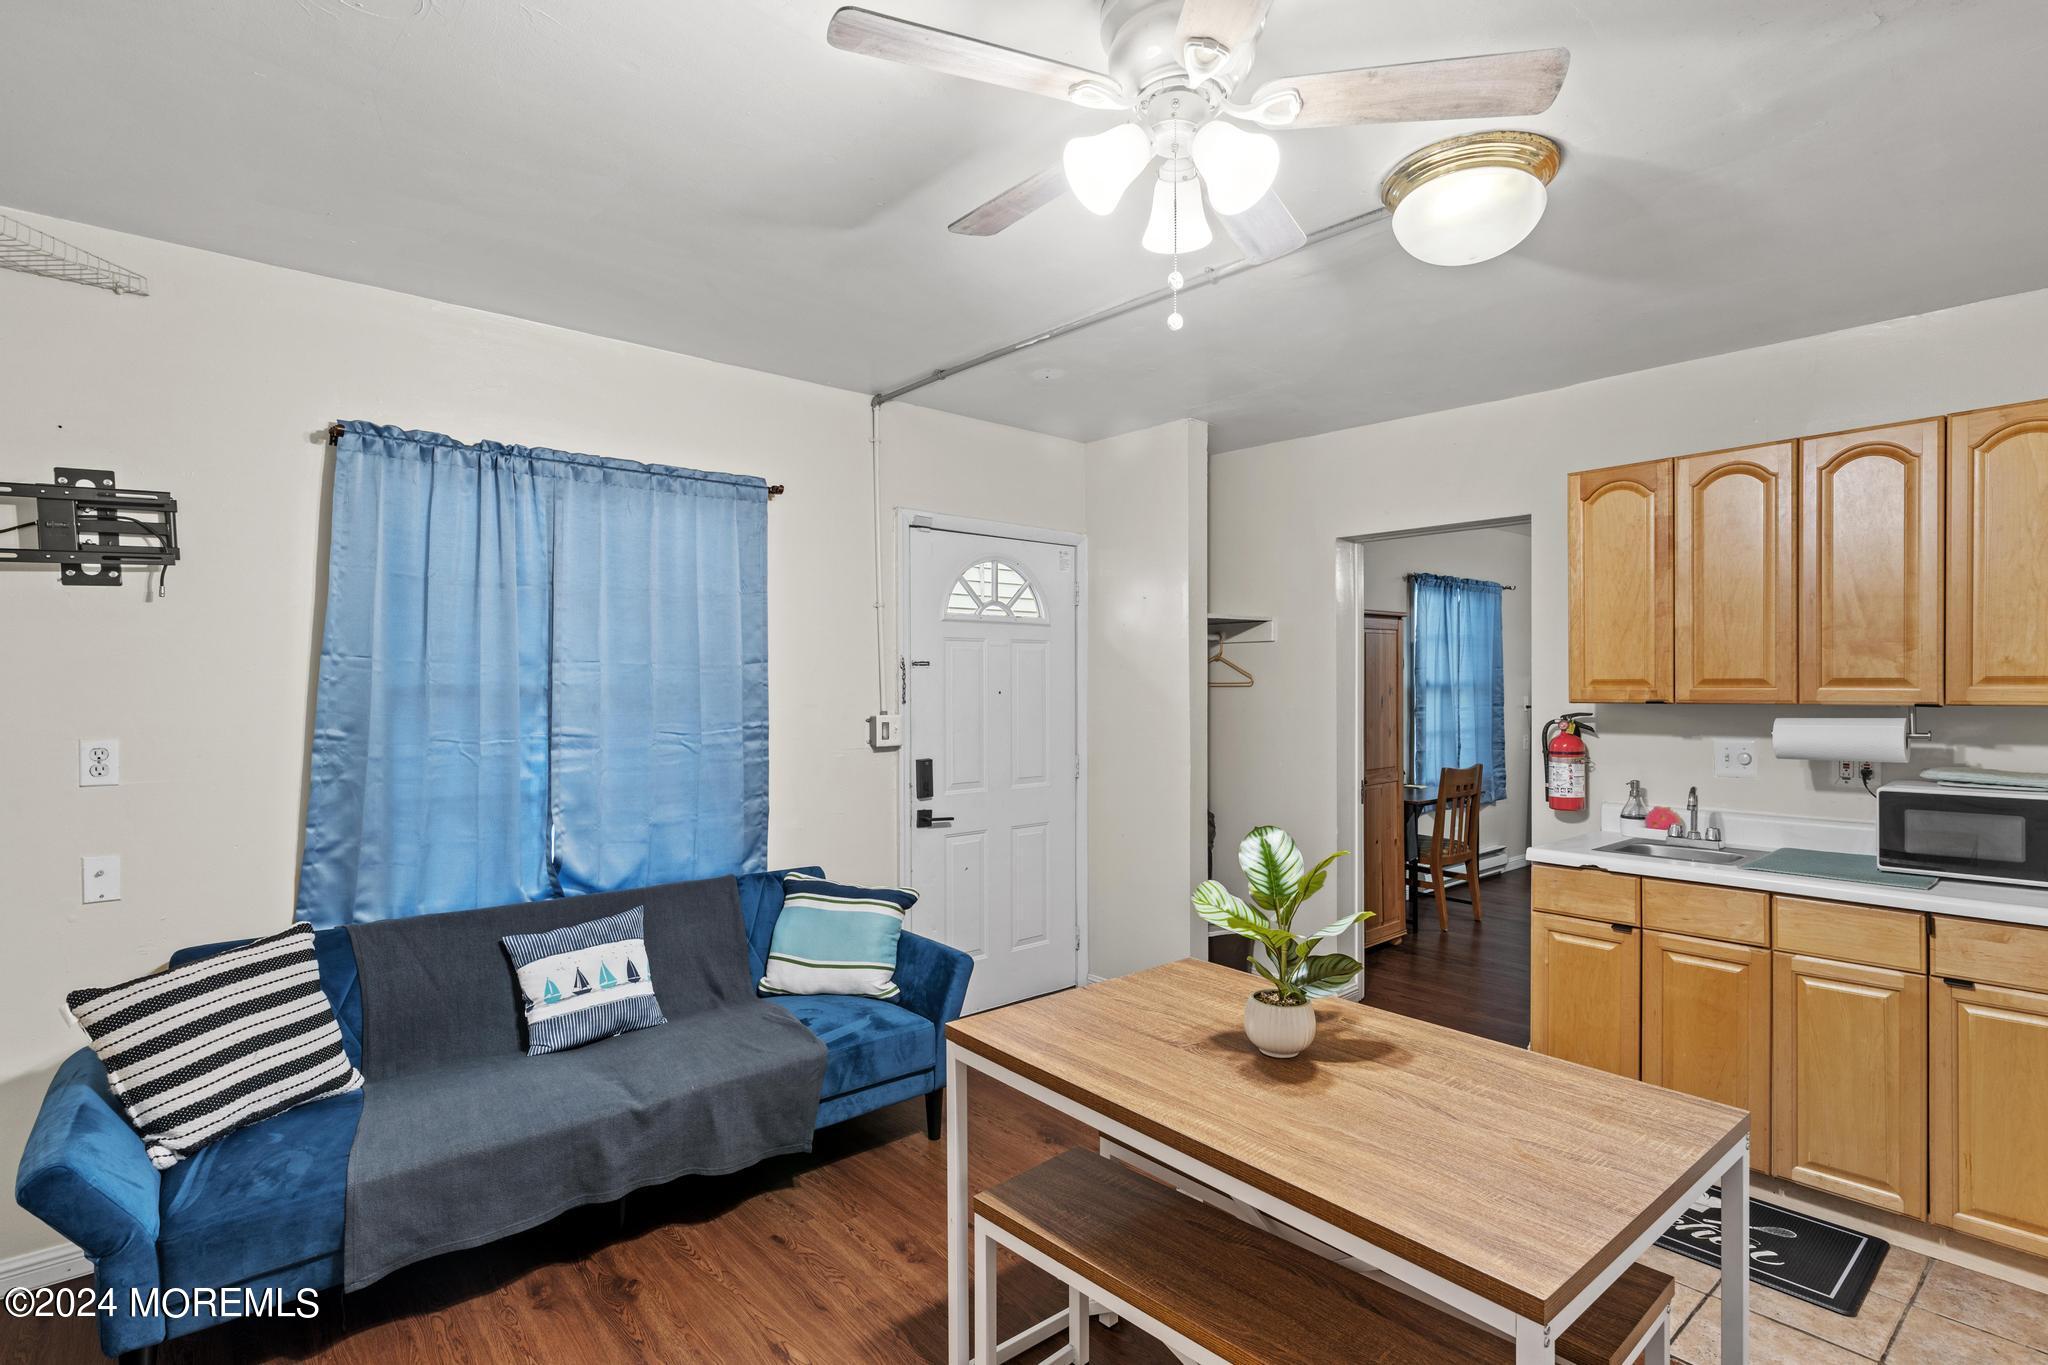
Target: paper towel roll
x,y
1879,739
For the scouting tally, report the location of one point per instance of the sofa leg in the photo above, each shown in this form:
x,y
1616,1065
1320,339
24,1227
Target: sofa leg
x,y
141,1355
935,1114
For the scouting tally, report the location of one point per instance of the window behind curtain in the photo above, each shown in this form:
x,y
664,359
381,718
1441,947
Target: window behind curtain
x,y
540,674
1455,682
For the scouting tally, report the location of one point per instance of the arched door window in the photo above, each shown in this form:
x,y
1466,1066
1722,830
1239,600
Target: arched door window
x,y
993,590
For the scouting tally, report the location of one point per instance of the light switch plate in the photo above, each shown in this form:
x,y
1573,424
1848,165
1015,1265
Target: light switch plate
x,y
100,874
885,731
99,762
1735,758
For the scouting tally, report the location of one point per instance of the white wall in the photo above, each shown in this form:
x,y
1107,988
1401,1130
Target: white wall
x,y
1147,722
212,388
1498,554
1278,511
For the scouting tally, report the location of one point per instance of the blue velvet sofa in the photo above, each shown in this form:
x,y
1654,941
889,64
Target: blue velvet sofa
x,y
263,1208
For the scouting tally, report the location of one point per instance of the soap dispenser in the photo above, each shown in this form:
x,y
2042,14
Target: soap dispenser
x,y
1635,810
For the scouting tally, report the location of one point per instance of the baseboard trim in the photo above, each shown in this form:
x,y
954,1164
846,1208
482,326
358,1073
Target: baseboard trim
x,y
51,1265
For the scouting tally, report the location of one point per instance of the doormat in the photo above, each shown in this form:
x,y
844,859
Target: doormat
x,y
1820,1262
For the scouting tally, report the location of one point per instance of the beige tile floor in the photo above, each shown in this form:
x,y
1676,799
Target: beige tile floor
x,y
1918,1312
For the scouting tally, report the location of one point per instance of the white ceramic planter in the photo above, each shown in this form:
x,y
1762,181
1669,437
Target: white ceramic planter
x,y
1279,1030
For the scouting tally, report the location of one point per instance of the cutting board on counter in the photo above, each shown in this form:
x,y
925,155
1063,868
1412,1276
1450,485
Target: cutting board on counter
x,y
1837,867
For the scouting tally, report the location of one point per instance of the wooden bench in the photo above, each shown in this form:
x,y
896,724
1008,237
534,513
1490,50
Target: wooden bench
x,y
1214,1288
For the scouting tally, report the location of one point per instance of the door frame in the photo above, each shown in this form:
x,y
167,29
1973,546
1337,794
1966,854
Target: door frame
x,y
1350,718
909,518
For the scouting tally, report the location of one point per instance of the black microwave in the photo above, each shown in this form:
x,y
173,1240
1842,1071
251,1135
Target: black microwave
x,y
1984,834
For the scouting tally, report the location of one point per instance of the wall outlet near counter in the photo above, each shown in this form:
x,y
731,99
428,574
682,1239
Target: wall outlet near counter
x,y
1849,773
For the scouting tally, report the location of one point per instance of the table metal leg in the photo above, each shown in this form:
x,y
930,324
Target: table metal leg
x,y
1532,1344
1735,1259
957,1215
984,1295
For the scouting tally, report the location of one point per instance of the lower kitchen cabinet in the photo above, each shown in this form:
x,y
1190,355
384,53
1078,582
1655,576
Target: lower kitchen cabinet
x,y
1849,1081
1989,1137
1585,992
1707,1026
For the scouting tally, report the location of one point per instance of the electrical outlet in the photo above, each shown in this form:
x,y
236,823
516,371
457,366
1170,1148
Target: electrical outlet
x,y
99,762
1735,758
100,875
1849,773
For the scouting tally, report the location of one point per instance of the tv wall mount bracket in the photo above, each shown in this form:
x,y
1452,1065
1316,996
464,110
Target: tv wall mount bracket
x,y
86,526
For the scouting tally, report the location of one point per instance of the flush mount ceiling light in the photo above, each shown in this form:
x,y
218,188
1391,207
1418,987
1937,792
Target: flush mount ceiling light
x,y
1468,199
1176,71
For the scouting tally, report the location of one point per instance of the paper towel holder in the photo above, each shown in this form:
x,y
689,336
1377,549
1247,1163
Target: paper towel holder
x,y
1913,730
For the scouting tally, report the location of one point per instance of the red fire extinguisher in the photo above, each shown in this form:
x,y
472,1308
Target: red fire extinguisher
x,y
1565,760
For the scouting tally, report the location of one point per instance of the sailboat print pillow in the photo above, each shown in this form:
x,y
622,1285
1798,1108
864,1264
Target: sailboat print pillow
x,y
584,982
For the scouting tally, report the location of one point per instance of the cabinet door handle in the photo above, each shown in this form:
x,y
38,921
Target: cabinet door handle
x,y
1622,928
1956,984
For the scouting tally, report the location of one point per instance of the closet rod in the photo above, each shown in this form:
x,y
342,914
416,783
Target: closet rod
x,y
334,434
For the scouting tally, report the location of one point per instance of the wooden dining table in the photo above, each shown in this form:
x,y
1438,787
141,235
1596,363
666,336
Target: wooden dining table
x,y
1507,1187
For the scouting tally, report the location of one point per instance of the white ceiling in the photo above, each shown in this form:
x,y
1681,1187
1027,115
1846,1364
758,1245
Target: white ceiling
x,y
710,177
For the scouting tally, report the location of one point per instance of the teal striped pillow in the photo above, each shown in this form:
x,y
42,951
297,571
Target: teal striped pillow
x,y
835,939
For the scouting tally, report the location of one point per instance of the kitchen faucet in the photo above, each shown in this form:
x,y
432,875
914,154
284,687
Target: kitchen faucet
x,y
1690,832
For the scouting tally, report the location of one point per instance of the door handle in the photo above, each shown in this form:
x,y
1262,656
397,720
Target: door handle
x,y
926,820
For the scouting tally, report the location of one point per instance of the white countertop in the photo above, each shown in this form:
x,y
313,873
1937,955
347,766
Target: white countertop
x,y
1971,900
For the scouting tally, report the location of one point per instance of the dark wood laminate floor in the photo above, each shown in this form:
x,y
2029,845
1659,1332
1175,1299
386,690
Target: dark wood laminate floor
x,y
1474,977
832,1259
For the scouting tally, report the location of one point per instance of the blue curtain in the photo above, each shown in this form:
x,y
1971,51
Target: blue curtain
x,y
540,673
1455,683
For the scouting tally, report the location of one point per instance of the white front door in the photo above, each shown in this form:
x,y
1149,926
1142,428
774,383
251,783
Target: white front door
x,y
994,766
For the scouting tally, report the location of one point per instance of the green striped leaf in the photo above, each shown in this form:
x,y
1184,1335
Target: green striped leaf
x,y
1272,866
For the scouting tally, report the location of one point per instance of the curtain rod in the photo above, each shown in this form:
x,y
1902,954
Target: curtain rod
x,y
334,431
1504,587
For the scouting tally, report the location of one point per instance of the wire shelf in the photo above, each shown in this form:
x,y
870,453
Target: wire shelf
x,y
25,249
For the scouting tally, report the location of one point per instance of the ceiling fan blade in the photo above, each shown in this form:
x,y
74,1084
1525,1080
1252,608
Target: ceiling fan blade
x,y
1229,22
1024,197
899,40
1265,230
1509,84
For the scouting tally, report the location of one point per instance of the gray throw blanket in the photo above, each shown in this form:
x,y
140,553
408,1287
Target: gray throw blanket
x,y
465,1139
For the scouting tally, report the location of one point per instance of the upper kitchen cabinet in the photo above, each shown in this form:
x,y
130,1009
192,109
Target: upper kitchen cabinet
x,y
1734,576
1997,572
1621,583
1870,566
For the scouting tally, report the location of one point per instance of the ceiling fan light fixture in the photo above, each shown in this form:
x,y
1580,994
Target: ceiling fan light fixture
x,y
1193,225
1237,166
1471,198
1102,166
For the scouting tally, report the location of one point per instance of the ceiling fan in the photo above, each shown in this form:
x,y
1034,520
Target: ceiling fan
x,y
1175,67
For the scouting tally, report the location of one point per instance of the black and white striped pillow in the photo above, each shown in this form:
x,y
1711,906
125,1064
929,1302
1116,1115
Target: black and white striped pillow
x,y
197,1051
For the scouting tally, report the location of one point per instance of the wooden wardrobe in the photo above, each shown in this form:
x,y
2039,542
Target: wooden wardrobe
x,y
1385,879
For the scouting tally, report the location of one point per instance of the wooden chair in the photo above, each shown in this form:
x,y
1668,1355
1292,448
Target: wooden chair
x,y
1454,837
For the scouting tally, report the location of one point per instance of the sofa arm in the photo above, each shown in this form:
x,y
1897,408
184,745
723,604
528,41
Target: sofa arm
x,y
933,979
85,1173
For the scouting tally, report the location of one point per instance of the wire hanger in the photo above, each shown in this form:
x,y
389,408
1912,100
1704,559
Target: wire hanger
x,y
1217,658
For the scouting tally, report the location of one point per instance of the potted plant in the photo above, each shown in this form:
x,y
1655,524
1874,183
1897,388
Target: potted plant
x,y
1280,1020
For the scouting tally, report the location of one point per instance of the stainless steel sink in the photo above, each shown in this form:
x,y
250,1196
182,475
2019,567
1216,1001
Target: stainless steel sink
x,y
1657,848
